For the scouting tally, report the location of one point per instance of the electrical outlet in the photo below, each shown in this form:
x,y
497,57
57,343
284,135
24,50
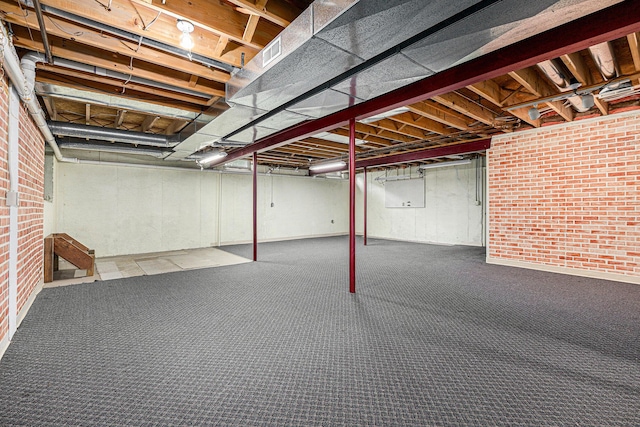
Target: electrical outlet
x,y
331,221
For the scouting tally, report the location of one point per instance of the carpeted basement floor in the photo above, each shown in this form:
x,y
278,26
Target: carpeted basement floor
x,y
432,337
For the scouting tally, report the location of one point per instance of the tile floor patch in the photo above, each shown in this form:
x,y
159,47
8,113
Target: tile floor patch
x,y
158,266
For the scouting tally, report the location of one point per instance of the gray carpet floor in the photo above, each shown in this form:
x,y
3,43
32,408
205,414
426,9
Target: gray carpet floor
x,y
433,336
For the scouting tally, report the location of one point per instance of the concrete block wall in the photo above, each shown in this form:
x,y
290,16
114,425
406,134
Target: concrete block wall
x,y
567,198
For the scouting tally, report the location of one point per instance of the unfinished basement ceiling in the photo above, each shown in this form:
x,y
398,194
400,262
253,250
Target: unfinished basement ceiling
x,y
118,65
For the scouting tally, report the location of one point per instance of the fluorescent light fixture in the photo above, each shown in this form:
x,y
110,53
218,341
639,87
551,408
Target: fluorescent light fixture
x,y
212,157
445,164
327,166
185,39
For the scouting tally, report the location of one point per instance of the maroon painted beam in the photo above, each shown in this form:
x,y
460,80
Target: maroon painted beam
x,y
352,205
605,25
364,192
418,155
428,153
255,205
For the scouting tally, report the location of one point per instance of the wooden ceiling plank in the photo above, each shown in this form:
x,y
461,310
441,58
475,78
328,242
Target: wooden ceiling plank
x,y
423,123
279,12
123,15
427,110
193,80
74,55
381,132
212,16
87,114
532,81
365,137
463,105
69,31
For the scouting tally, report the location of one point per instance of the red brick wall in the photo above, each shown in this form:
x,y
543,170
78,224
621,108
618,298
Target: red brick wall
x,y
30,211
568,197
4,211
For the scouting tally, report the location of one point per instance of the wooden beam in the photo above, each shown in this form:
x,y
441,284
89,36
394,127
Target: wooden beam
x,y
50,105
401,128
465,106
532,81
87,114
492,92
279,12
175,126
119,118
67,31
422,123
149,122
430,110
379,132
634,46
250,29
123,15
193,80
79,53
221,46
214,17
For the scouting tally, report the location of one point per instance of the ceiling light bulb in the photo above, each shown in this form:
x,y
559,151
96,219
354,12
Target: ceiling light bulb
x,y
186,41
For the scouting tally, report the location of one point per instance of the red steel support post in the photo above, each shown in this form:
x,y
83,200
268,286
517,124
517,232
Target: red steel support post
x,y
255,205
352,205
364,190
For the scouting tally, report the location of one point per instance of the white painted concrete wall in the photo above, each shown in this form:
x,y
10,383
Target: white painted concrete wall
x,y
119,210
302,207
450,215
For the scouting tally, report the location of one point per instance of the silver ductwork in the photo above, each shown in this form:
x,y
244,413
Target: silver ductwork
x,y
113,135
340,53
23,78
75,145
605,60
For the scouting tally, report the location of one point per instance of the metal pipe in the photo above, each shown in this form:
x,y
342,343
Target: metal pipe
x,y
352,205
113,135
73,65
365,207
23,76
255,206
43,31
132,37
113,149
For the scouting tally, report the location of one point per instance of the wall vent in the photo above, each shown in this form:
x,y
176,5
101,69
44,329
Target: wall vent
x,y
271,52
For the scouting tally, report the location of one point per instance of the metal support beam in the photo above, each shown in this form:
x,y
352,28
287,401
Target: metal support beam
x,y
255,206
605,25
352,205
364,190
